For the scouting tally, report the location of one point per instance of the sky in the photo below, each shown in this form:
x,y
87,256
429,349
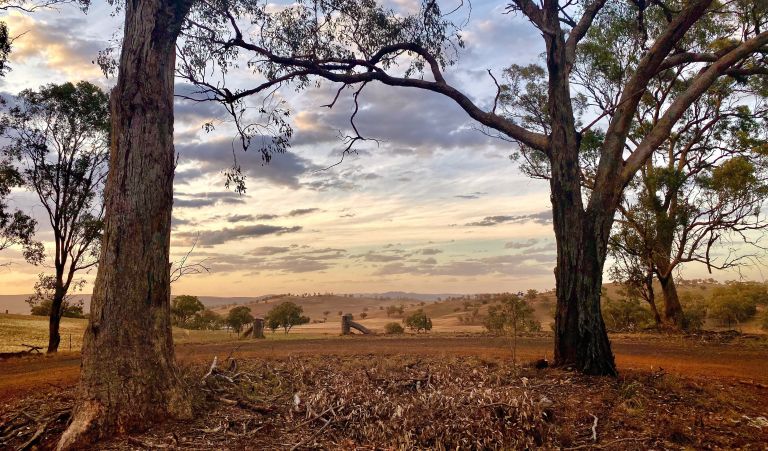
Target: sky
x,y
435,207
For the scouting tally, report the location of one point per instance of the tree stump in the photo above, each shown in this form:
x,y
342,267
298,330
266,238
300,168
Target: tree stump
x,y
258,328
345,322
347,325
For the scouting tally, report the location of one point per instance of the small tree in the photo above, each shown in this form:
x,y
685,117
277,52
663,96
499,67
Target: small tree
x,y
238,317
736,302
59,136
40,303
512,315
393,329
418,321
624,314
184,308
363,315
286,315
206,320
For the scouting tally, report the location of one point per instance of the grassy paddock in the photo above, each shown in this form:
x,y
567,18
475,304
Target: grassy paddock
x,y
33,330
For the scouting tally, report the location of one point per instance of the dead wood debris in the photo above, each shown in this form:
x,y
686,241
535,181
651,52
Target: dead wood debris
x,y
397,402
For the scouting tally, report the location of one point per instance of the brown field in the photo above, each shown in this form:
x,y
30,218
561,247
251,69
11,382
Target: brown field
x,y
722,379
708,390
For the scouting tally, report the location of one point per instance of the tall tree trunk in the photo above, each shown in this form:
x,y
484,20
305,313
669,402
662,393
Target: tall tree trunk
x,y
652,299
665,232
581,339
129,379
54,317
582,235
673,310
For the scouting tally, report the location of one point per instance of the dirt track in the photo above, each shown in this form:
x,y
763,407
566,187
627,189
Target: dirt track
x,y
734,361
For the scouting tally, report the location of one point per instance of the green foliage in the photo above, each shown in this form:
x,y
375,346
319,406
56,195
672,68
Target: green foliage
x,y
285,315
418,321
737,302
393,329
239,317
41,302
512,315
694,310
16,227
625,314
184,308
764,320
206,320
43,308
395,310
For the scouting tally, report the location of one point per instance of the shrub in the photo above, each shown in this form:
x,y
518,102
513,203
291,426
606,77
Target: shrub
x,y
239,317
206,320
694,311
736,302
513,315
764,321
184,308
626,314
418,321
285,315
393,328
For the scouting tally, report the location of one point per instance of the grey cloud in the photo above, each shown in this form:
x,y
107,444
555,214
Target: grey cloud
x,y
521,244
291,259
213,237
218,155
269,250
544,218
184,200
302,211
266,217
379,258
240,218
430,251
407,121
475,195
510,265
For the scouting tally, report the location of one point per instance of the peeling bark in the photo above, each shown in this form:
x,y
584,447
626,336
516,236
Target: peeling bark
x,y
129,378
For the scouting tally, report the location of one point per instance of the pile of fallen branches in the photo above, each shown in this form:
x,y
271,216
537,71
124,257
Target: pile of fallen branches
x,y
394,402
34,424
31,350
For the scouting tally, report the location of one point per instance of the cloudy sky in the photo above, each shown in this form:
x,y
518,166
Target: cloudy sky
x,y
436,206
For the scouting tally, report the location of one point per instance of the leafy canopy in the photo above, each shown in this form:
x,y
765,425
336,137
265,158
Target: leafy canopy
x,y
286,315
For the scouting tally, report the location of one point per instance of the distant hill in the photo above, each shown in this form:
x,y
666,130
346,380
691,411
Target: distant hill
x,y
14,303
402,295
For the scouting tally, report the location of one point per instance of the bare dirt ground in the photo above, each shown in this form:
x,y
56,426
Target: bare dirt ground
x,y
674,392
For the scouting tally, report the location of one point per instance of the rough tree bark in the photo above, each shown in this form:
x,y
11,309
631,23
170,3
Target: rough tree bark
x,y
581,339
665,220
673,311
129,378
54,318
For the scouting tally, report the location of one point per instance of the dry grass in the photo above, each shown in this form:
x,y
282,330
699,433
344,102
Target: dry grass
x,y
33,330
411,402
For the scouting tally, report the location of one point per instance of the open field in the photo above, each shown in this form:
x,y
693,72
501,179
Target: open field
x,y
724,381
446,316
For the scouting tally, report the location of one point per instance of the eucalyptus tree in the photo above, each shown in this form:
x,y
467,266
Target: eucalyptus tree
x,y
59,137
700,193
16,227
352,44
